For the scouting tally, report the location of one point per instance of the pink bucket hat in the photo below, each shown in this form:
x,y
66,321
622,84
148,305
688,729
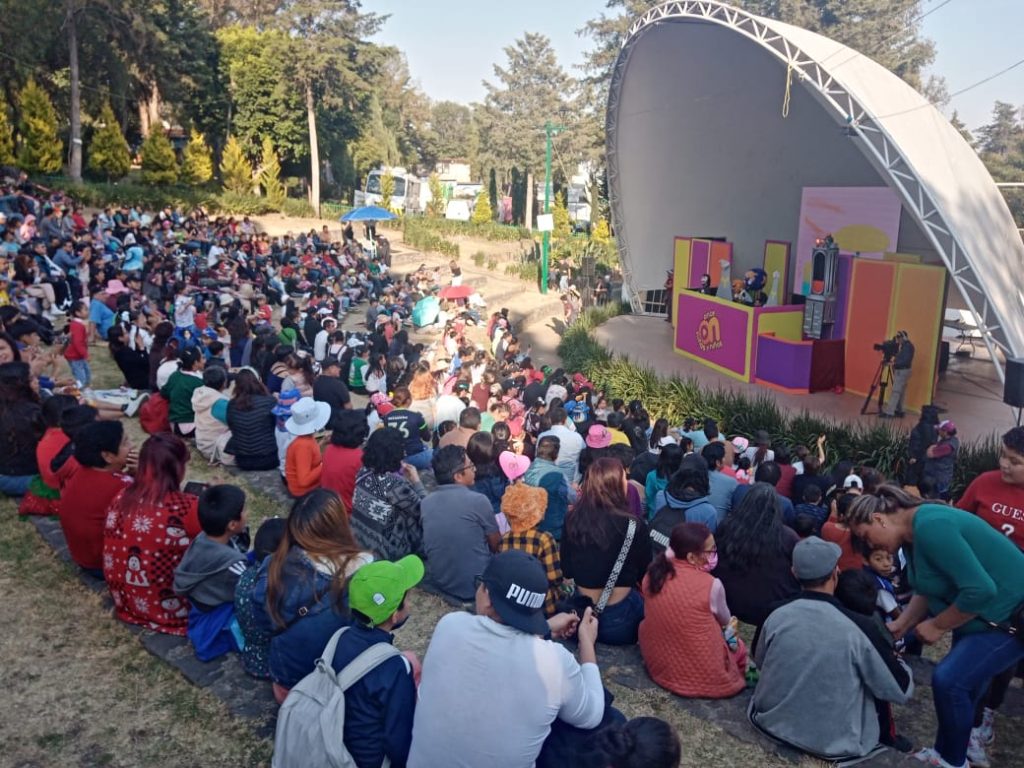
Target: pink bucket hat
x,y
599,436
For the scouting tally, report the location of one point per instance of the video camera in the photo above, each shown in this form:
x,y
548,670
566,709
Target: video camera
x,y
888,348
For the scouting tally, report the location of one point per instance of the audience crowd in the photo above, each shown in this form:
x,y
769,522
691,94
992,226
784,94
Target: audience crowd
x,y
557,514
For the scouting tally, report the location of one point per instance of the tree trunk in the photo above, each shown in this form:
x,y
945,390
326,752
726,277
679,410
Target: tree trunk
x,y
153,106
314,152
75,163
144,119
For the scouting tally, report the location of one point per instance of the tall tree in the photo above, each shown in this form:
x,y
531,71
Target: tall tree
x,y
1003,135
530,89
452,125
159,163
109,155
41,150
235,170
492,190
330,63
270,174
196,162
961,127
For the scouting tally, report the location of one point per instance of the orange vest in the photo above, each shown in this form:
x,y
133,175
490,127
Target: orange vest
x,y
681,641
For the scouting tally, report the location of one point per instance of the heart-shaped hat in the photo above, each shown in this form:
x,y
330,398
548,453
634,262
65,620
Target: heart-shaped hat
x,y
514,465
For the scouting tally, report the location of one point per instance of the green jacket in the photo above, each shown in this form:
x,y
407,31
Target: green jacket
x,y
958,558
178,391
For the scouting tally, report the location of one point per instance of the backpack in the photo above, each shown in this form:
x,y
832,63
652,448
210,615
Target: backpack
x,y
311,722
153,415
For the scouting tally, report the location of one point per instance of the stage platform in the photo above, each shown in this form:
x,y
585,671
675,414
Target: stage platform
x,y
970,391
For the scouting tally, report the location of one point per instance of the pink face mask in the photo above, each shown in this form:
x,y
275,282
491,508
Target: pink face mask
x,y
711,563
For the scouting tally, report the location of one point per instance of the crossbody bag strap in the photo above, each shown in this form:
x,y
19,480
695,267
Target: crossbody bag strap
x,y
617,568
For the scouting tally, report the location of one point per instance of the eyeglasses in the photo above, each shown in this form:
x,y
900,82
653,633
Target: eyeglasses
x,y
468,467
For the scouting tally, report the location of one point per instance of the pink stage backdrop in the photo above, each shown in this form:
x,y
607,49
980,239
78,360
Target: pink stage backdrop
x,y
824,210
713,332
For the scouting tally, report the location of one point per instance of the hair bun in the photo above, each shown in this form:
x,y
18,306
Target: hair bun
x,y
617,741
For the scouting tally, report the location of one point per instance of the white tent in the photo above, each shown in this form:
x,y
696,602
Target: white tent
x,y
699,145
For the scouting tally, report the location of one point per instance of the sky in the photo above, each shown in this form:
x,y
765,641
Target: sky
x,y
452,45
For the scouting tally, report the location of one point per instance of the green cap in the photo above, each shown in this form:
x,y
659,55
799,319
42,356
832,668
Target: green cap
x,y
376,590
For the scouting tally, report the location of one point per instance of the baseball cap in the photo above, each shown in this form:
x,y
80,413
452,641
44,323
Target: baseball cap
x,y
517,585
948,426
666,440
853,481
815,558
378,588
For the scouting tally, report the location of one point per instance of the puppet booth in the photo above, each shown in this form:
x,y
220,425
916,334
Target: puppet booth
x,y
809,203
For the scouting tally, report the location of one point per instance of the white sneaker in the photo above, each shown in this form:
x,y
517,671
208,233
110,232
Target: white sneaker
x,y
929,756
134,404
976,754
986,731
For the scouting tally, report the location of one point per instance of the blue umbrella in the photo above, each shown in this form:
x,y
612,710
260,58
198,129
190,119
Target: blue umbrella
x,y
426,311
369,213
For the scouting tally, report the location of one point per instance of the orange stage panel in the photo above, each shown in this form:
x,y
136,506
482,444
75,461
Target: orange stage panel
x,y
871,292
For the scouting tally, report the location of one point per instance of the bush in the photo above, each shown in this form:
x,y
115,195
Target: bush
x,y
109,155
492,264
270,175
98,195
243,205
197,162
235,170
478,258
867,444
159,164
297,208
482,213
42,150
6,137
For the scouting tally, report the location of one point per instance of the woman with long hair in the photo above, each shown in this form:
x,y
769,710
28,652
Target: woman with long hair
x,y
158,353
300,374
149,526
343,458
755,552
21,427
423,390
130,355
489,479
967,581
300,593
252,423
596,530
685,611
669,459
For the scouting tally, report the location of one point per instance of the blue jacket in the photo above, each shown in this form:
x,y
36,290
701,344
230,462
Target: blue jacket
x,y
675,511
295,648
379,708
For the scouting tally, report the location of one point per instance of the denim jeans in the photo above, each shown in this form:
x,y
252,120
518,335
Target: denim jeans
x,y
959,682
619,623
421,460
80,370
15,485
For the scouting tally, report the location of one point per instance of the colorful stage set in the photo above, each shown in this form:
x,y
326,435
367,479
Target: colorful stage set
x,y
825,305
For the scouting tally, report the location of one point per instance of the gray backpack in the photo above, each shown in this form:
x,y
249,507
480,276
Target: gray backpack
x,y
311,722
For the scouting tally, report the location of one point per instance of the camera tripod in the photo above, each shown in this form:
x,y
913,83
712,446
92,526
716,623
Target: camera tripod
x,y
881,382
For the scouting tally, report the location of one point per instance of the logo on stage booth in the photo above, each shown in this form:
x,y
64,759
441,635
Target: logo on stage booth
x,y
709,332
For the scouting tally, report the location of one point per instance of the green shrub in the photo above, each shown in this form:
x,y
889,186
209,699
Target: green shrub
x,y
297,208
235,169
868,444
159,163
6,137
42,150
197,162
109,155
243,205
98,195
478,258
270,175
492,264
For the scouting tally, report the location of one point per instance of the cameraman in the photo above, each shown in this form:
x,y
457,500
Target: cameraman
x,y
901,365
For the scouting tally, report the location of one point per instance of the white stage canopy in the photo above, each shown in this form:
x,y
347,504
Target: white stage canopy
x,y
698,146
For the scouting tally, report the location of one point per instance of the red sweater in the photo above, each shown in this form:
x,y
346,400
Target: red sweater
x,y
998,503
78,346
50,444
339,472
303,465
83,511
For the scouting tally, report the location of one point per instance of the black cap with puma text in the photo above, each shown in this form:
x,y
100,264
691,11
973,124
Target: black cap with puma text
x,y
517,585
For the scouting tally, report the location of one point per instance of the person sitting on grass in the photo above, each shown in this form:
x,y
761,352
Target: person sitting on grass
x,y
101,452
460,532
178,391
304,463
379,707
344,456
208,573
523,507
210,405
813,638
255,638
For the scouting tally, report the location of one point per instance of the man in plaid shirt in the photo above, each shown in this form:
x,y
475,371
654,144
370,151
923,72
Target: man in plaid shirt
x,y
523,506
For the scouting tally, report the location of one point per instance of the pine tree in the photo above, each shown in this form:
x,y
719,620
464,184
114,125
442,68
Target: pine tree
x,y
601,233
42,150
235,171
197,164
159,163
482,212
109,154
270,175
560,211
435,209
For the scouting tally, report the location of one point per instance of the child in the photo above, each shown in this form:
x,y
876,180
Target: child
x,y
256,641
858,593
812,507
304,462
743,470
381,704
208,573
77,350
879,563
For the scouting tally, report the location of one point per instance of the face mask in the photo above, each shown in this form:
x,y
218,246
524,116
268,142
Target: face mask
x,y
711,564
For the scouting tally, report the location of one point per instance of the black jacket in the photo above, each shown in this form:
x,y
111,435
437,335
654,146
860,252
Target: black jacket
x,y
21,426
253,442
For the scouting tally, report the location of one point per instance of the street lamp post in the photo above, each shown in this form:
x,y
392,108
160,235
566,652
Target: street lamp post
x,y
550,129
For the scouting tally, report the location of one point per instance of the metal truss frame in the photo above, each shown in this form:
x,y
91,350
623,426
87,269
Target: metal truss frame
x,y
876,144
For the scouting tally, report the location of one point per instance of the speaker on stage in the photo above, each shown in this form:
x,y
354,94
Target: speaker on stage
x,y
1013,389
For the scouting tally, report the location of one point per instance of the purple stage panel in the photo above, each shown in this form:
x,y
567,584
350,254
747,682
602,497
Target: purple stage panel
x,y
700,260
843,274
784,363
